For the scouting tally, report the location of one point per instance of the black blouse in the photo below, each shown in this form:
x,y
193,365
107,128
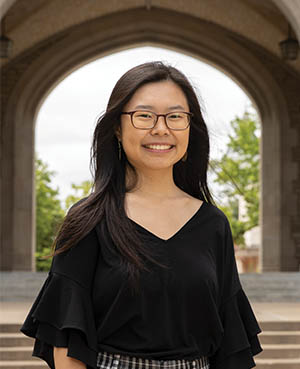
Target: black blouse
x,y
196,307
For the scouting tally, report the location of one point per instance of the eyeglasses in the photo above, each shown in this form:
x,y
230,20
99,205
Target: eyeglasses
x,y
142,119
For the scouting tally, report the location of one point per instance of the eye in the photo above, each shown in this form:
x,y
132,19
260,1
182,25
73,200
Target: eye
x,y
176,116
143,115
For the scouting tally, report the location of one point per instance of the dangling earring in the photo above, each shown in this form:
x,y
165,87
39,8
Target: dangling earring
x,y
184,156
120,150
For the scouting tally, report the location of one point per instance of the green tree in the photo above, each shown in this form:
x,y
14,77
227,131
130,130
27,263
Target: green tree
x,y
49,213
81,190
238,174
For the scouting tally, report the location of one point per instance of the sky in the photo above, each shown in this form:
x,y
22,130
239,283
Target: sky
x,y
67,117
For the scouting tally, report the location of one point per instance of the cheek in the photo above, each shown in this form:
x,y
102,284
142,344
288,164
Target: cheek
x,y
131,139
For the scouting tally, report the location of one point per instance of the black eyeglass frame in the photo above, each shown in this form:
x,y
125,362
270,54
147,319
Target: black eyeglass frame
x,y
160,115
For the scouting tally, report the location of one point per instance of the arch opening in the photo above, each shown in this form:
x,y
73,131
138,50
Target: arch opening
x,y
77,48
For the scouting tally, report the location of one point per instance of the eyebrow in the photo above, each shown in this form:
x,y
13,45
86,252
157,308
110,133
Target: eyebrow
x,y
152,107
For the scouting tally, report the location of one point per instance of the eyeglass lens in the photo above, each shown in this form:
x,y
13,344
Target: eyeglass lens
x,y
146,119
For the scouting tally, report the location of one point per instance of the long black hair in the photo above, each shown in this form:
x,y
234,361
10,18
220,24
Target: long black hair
x,y
105,204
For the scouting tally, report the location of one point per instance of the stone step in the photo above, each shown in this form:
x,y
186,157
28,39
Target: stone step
x,y
280,325
277,363
10,327
272,286
28,364
281,351
15,339
279,337
269,296
16,353
21,285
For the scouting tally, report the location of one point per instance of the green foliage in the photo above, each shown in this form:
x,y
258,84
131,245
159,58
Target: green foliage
x,y
49,214
238,174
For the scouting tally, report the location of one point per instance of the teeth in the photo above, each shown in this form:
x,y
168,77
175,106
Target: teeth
x,y
159,147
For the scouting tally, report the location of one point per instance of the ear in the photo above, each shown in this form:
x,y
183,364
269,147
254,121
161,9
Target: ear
x,y
118,133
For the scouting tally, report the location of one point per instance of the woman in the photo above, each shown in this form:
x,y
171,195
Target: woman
x,y
144,273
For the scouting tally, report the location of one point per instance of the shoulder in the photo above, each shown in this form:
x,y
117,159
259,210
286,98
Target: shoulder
x,y
216,211
216,218
213,210
79,262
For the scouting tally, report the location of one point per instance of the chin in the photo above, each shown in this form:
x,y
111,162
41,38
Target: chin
x,y
158,166
157,163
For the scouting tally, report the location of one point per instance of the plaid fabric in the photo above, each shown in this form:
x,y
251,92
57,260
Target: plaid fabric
x,y
116,361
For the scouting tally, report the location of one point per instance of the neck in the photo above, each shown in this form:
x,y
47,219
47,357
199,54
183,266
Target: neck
x,y
157,184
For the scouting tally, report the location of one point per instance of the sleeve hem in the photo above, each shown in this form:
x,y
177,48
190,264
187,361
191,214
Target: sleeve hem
x,y
62,316
240,342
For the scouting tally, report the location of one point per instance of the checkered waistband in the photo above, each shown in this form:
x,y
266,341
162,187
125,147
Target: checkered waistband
x,y
107,360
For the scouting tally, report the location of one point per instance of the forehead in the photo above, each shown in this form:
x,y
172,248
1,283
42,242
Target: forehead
x,y
159,95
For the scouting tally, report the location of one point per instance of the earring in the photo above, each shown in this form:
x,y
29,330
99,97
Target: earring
x,y
120,150
184,156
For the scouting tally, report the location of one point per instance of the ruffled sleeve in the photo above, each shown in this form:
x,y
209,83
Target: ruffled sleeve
x,y
239,343
62,314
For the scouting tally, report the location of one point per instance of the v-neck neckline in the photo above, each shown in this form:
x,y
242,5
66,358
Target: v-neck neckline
x,y
177,232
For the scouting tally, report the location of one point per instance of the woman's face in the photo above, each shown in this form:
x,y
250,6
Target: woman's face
x,y
161,98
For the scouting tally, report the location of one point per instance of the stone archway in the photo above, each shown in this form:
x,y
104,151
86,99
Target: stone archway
x,y
48,63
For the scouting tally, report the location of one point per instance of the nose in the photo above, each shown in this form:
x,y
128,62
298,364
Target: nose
x,y
160,126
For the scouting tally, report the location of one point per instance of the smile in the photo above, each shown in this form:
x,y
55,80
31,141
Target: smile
x,y
158,148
